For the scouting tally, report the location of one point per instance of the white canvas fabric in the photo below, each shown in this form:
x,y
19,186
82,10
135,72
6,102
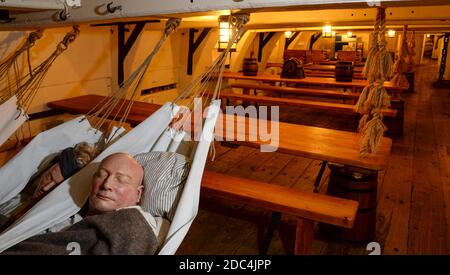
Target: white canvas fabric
x,y
187,207
15,174
11,118
68,198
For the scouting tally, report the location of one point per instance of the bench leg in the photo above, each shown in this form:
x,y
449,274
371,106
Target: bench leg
x,y
265,239
304,237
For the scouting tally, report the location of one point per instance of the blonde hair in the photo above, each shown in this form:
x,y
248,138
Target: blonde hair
x,y
84,153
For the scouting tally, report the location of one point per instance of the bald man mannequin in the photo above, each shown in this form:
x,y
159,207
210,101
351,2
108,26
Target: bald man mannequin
x,y
116,185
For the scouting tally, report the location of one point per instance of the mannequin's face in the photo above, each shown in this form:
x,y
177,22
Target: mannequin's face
x,y
116,184
50,177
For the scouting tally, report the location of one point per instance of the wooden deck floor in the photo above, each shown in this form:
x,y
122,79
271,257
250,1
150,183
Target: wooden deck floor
x,y
413,211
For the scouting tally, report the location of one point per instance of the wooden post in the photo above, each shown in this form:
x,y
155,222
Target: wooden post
x,y
304,237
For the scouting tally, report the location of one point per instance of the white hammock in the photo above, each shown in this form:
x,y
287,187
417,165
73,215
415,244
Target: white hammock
x,y
68,198
12,117
15,174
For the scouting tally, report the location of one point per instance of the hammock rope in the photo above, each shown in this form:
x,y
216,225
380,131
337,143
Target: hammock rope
x,y
29,84
374,98
127,91
11,63
206,86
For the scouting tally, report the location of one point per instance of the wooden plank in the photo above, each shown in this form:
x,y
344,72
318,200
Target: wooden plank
x,y
286,200
83,104
250,164
297,91
272,168
329,74
346,108
440,104
428,233
441,126
394,204
329,68
226,162
306,181
330,145
206,222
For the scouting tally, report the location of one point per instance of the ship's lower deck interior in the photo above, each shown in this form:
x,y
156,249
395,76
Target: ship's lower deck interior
x,y
413,189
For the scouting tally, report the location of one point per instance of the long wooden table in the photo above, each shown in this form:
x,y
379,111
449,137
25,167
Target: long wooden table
x,y
355,85
83,104
306,141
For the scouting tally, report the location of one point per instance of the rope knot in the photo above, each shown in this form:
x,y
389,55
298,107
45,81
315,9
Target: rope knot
x,y
171,25
33,37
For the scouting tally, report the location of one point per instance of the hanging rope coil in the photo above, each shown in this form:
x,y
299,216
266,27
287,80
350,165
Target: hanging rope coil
x,y
401,64
374,97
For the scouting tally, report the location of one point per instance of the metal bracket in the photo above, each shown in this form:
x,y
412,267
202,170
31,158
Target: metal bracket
x,y
112,9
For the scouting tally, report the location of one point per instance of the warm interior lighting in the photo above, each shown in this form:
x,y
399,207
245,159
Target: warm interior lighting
x,y
428,35
333,34
287,34
225,33
391,33
327,31
349,34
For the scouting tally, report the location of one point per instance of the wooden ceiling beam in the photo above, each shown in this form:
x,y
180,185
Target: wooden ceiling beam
x,y
96,11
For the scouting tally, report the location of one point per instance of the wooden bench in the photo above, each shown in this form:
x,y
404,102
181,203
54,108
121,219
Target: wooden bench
x,y
306,207
345,108
329,74
315,70
356,85
297,91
